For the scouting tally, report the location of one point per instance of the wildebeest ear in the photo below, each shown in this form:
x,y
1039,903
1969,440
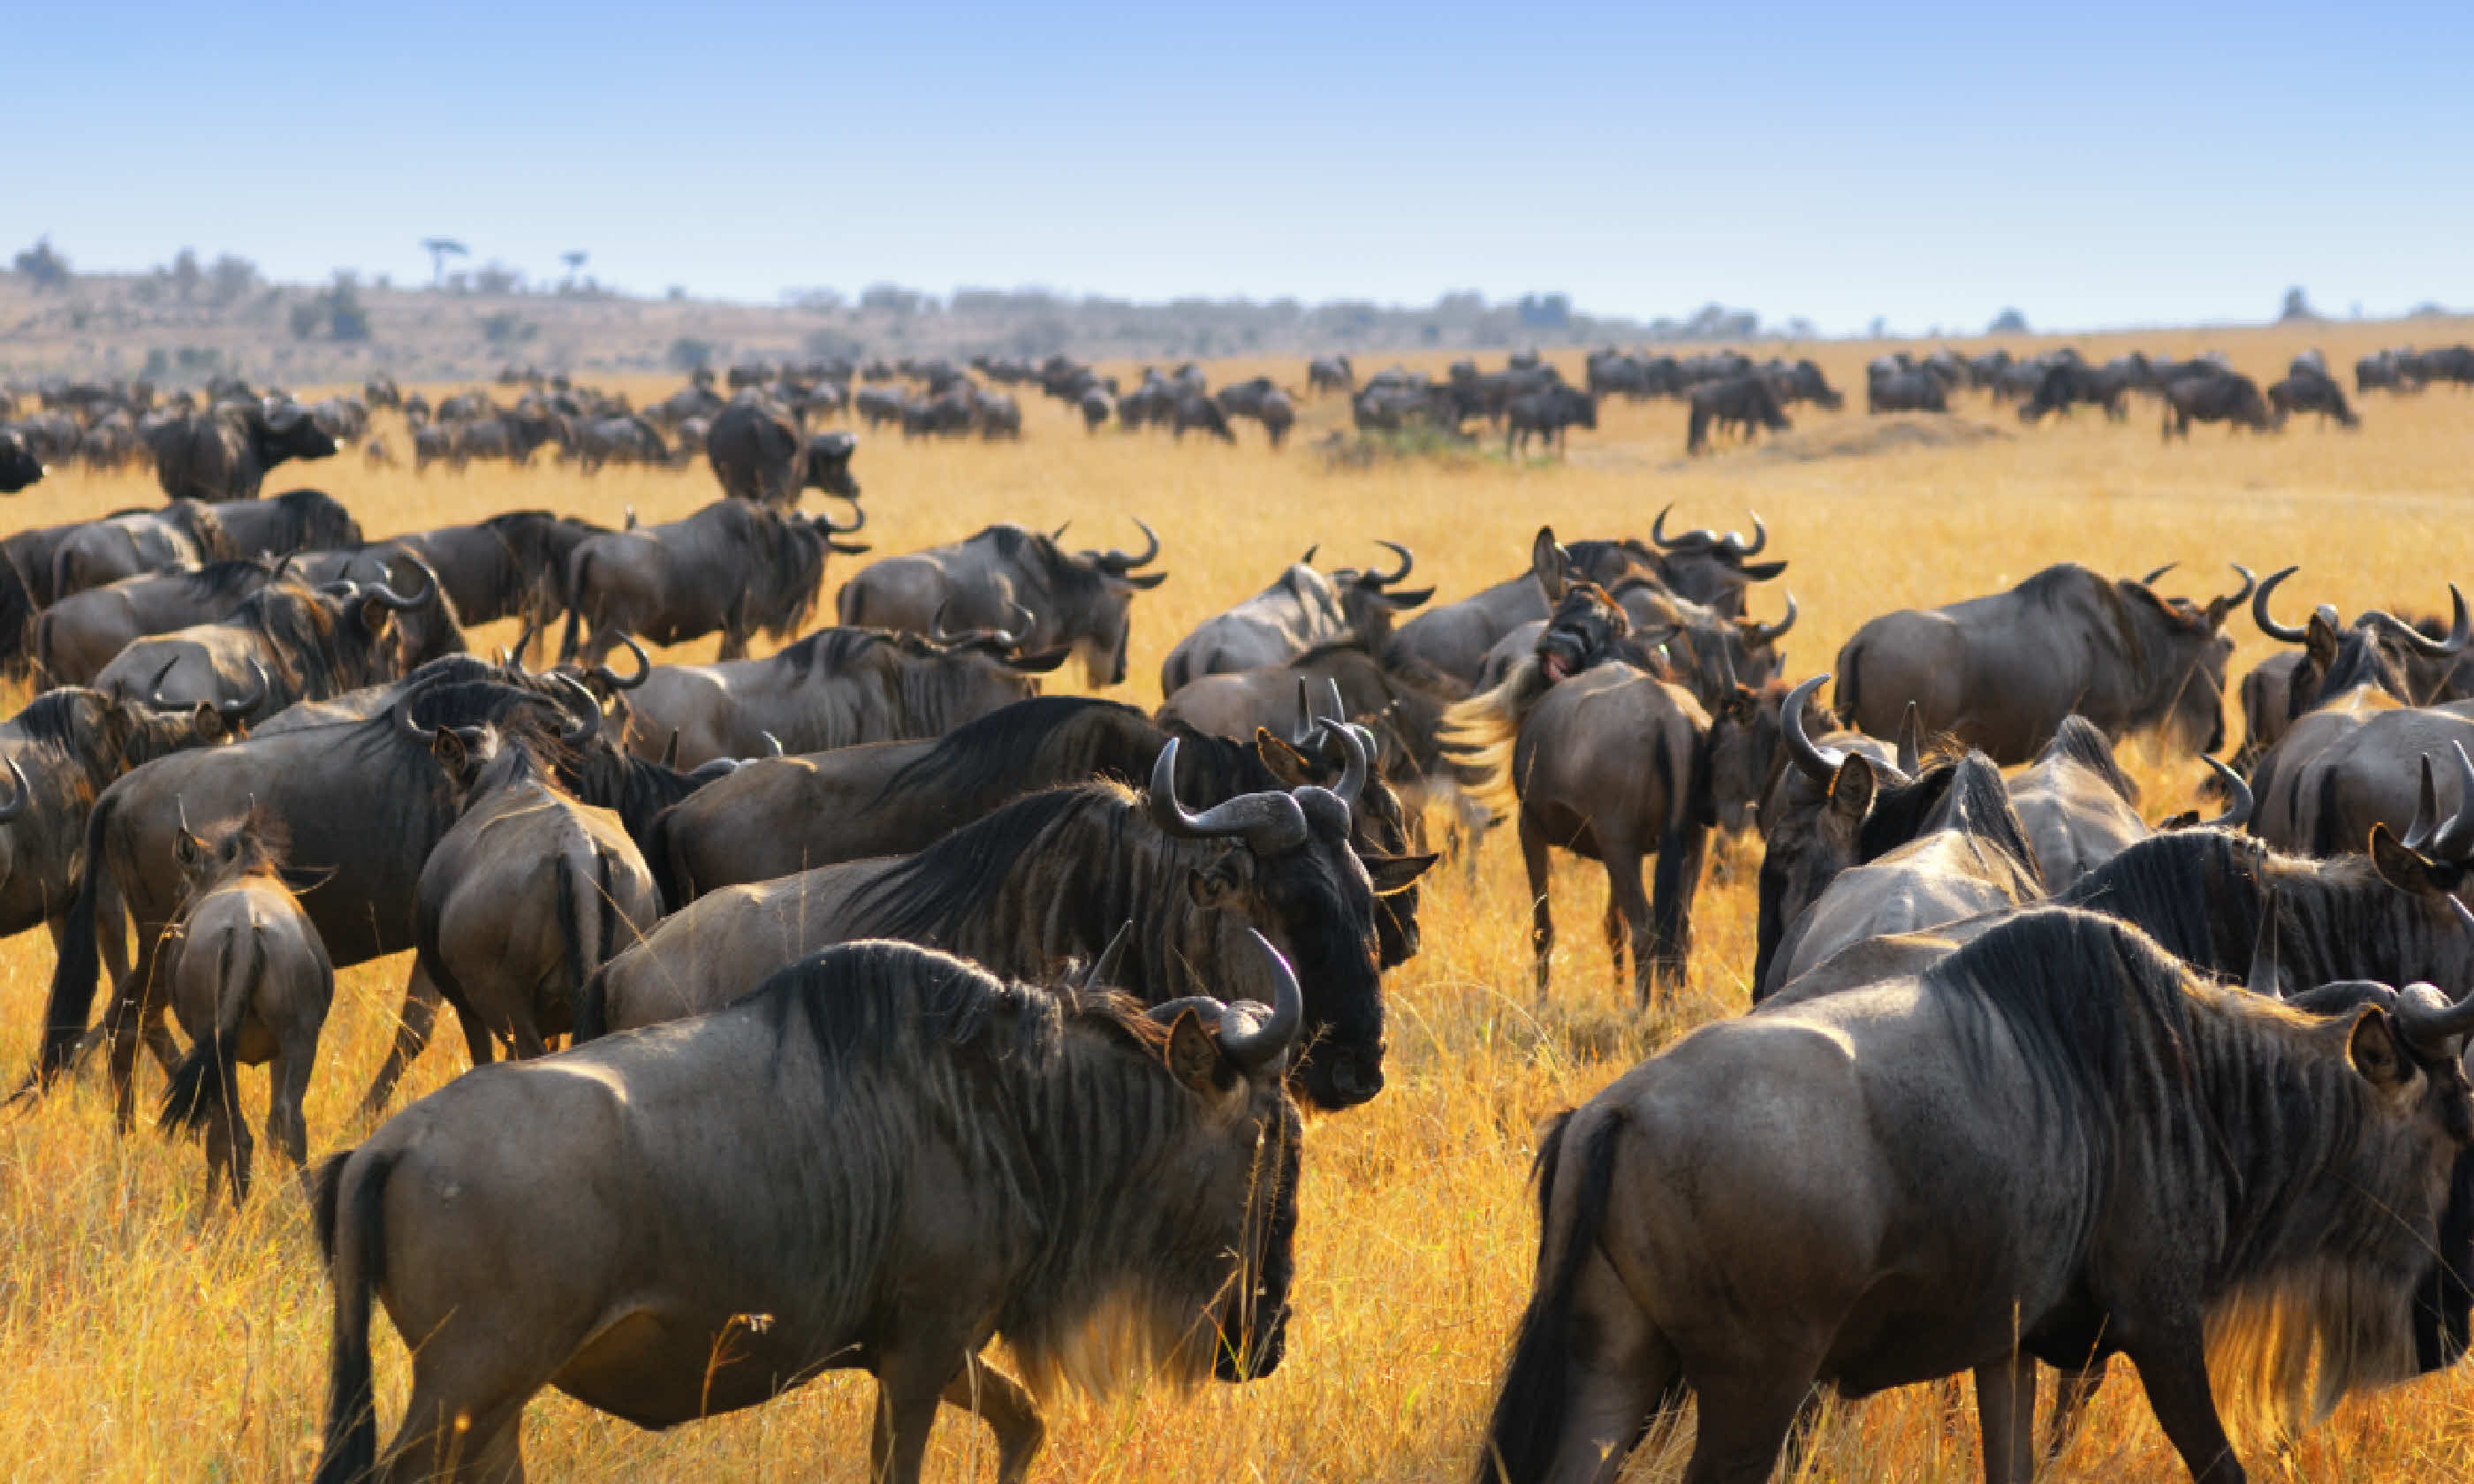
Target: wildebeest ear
x,y
2372,1047
449,751
373,615
1851,792
1039,662
188,848
2320,641
1285,763
1192,1055
1546,560
1395,874
2408,869
206,722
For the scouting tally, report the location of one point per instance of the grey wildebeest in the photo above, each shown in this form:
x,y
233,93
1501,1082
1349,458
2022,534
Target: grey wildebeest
x,y
1708,568
836,687
285,643
76,638
2224,397
758,453
224,454
2054,1142
1052,877
2079,809
528,895
1708,653
989,580
1111,1190
282,524
1747,402
1546,413
1999,673
185,532
1302,608
248,981
1559,745
2304,390
734,566
1455,637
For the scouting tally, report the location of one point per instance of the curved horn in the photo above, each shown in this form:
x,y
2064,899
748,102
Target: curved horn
x,y
610,678
1821,764
1058,534
1270,823
388,597
1756,632
1267,1042
1657,530
2239,801
1760,539
1112,959
1119,562
1308,723
2426,1019
1308,559
1352,773
579,704
1331,695
2150,581
21,799
2249,584
824,522
2265,980
670,751
2283,633
1911,740
772,742
1385,580
234,711
404,721
154,687
2459,628
2449,840
2426,811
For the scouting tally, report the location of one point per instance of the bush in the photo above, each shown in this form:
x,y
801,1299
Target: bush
x,y
688,352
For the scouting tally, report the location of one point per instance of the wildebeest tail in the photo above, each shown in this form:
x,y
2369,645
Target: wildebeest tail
x,y
591,1019
1530,1410
352,1230
1845,695
73,977
205,1080
583,955
657,859
2324,844
572,638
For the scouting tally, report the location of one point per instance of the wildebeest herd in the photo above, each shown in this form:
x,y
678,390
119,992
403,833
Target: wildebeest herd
x,y
906,1008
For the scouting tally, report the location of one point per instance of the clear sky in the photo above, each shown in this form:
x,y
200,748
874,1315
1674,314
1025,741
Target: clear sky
x,y
2093,163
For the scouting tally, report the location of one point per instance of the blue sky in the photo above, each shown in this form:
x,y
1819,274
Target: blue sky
x,y
2093,163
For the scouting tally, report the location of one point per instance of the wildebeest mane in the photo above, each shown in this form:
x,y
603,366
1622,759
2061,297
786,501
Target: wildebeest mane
x,y
225,579
1967,792
1032,744
2067,589
785,563
2084,742
313,520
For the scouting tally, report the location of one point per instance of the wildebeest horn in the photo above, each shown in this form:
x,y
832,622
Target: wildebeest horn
x,y
1113,958
2426,811
2237,796
1308,723
2264,980
2218,608
2459,628
1911,740
610,678
1266,1042
1760,539
388,597
2150,581
1756,632
234,711
2426,1017
154,687
1118,562
23,796
1058,534
1821,764
1270,823
824,522
2448,837
1308,559
1657,530
771,741
2285,633
1382,580
585,710
1352,773
404,721
1331,695
670,751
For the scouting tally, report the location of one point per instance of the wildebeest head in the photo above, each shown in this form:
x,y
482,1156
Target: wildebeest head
x,y
827,465
1108,581
18,466
1745,736
1818,830
1368,599
1379,825
1584,626
286,430
1708,567
250,844
2180,650
2377,649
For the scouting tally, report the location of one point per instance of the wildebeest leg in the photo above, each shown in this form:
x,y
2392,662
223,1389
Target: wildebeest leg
x,y
1745,1418
1541,914
2005,1412
1627,906
1007,1410
1615,929
1670,917
734,637
2073,1391
418,1018
908,1388
2174,1369
443,1438
287,1093
229,1145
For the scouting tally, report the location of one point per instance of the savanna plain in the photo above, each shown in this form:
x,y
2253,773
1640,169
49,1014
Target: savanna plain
x,y
144,1336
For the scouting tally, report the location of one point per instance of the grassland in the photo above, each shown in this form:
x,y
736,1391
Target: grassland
x,y
144,1338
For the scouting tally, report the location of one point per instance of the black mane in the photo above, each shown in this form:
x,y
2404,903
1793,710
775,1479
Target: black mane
x,y
1015,747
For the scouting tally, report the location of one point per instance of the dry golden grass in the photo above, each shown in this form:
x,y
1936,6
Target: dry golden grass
x,y
144,1338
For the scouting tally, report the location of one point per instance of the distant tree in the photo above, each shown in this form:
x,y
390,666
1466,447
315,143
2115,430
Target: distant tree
x,y
1545,311
230,281
574,260
2296,307
345,320
828,345
676,293
2010,322
440,250
187,277
498,279
45,266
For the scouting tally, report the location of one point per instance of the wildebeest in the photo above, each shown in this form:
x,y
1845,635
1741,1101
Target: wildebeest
x,y
1903,390
736,565
18,466
836,687
524,897
1300,609
1999,673
630,439
513,565
280,524
1709,655
2079,809
250,981
1546,413
224,453
1331,373
1112,1191
1747,402
757,453
185,532
1199,411
989,580
1454,637
2055,1141
76,638
1052,877
2225,397
2311,391
2063,384
510,435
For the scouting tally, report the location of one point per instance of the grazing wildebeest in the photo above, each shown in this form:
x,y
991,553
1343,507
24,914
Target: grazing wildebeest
x,y
286,644
1331,373
1300,609
1895,390
2055,1141
1999,673
19,468
1051,877
509,435
76,638
736,565
224,454
1196,410
1096,406
2310,390
1113,1192
1804,382
757,453
248,981
2225,397
989,580
2068,383
1546,413
185,532
1747,402
1277,414
836,687
528,895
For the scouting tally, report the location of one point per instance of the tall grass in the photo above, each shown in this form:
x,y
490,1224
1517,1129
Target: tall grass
x,y
144,1336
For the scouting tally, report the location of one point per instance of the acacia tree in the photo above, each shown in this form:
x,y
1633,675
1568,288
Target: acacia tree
x,y
440,250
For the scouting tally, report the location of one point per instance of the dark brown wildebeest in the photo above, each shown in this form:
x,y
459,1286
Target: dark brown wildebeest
x,y
1453,638
286,644
1278,412
2225,396
509,435
1747,402
1111,1190
224,454
1331,373
294,520
1893,390
1999,673
19,468
989,580
1963,1129
757,453
1301,610
736,565
1559,745
511,565
528,895
2065,384
185,532
248,981
76,638
1199,412
836,687
1711,655
1097,408
2316,392
1546,413
1052,877
630,439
